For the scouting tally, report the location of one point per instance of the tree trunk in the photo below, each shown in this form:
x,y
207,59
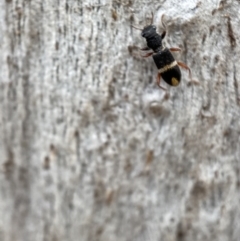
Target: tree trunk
x,y
91,149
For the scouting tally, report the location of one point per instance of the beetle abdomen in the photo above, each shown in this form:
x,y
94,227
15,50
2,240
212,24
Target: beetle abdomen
x,y
167,67
172,76
163,58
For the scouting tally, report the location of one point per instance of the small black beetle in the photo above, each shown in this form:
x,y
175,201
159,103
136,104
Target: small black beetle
x,y
168,67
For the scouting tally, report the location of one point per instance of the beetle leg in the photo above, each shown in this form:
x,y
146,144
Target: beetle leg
x,y
138,48
163,34
175,49
139,52
159,80
145,49
163,24
147,55
181,64
164,27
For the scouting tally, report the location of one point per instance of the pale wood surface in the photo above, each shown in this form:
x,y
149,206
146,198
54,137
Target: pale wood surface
x,y
90,148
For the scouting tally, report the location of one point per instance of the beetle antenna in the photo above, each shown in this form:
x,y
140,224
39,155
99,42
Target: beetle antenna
x,y
151,18
137,28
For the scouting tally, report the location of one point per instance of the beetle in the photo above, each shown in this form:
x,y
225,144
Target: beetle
x,y
168,67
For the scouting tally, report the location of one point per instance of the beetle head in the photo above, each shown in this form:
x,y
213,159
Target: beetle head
x,y
149,31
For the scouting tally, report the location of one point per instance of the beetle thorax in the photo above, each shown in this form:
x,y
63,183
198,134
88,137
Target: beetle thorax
x,y
155,43
154,40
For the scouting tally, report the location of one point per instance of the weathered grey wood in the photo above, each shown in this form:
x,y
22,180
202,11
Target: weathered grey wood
x,y
91,149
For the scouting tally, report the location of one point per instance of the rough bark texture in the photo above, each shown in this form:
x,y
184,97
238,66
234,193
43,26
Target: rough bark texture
x,y
90,147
